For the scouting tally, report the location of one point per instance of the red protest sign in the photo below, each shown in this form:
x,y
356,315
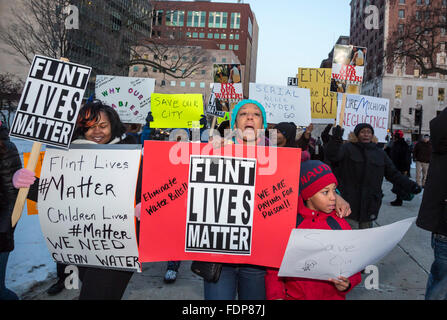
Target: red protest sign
x,y
231,205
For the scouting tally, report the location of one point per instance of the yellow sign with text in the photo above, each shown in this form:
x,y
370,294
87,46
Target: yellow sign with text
x,y
323,101
176,110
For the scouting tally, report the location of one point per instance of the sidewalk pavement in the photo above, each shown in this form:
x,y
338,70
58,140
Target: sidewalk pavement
x,y
402,273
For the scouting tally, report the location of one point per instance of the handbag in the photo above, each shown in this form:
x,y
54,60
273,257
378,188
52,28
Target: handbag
x,y
209,271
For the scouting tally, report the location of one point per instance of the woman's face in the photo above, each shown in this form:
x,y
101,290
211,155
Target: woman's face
x,y
101,131
249,121
281,140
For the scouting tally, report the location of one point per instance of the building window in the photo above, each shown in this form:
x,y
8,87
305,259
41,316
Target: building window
x,y
192,84
158,18
218,20
210,35
222,47
201,35
430,91
231,36
441,94
250,27
224,60
236,47
396,115
196,19
202,85
398,92
409,90
401,14
173,83
182,83
236,37
420,93
223,36
401,1
235,20
135,69
175,19
216,35
230,47
195,35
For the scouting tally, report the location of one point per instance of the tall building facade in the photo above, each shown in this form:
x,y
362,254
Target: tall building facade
x,y
228,32
415,99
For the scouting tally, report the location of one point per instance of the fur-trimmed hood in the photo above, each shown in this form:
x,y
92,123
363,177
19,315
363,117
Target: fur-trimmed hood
x,y
354,139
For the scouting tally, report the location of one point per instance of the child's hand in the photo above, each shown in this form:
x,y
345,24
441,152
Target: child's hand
x,y
342,283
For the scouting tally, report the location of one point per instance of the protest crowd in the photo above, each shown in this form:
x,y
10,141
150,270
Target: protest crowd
x,y
339,188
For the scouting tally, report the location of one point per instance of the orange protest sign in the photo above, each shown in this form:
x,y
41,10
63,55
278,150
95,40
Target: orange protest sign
x,y
32,205
237,204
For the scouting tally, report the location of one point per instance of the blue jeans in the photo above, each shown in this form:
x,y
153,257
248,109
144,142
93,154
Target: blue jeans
x,y
5,293
437,279
244,280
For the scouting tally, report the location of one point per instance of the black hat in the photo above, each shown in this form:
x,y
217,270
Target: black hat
x,y
361,126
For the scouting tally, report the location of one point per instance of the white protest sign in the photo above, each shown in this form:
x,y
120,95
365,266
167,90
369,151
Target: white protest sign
x,y
86,205
283,103
324,254
130,97
223,98
50,101
214,225
365,109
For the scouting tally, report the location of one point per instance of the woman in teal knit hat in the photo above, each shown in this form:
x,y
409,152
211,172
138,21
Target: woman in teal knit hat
x,y
249,120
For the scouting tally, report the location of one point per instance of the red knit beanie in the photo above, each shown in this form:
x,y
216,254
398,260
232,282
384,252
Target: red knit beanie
x,y
314,176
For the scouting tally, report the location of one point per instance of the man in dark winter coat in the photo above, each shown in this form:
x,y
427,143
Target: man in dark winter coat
x,y
422,156
361,169
433,211
400,154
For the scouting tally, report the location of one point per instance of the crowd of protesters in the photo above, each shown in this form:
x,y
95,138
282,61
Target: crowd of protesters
x,y
348,193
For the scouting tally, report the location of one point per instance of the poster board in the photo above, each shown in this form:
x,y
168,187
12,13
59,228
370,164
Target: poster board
x,y
130,97
50,102
325,254
283,103
234,204
176,110
223,98
86,205
227,73
324,102
348,67
364,109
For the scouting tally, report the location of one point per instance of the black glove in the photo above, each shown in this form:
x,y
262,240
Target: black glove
x,y
149,119
337,132
203,121
416,189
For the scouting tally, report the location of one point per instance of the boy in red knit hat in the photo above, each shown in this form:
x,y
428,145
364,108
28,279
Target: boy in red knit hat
x,y
316,210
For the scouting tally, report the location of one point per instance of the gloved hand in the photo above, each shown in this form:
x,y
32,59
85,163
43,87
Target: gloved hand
x,y
23,178
416,189
138,211
337,132
203,121
149,119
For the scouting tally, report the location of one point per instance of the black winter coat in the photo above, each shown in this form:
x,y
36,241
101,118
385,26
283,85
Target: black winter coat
x,y
400,155
360,172
9,164
433,211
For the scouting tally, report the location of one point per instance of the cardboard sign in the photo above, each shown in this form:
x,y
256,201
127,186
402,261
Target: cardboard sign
x,y
223,98
324,102
283,104
227,73
50,102
86,205
365,109
234,204
347,69
130,97
324,254
176,110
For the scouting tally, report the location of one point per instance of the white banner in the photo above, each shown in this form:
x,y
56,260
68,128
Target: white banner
x,y
130,97
283,103
86,206
325,254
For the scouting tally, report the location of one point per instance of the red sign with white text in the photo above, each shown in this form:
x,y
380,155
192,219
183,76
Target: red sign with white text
x,y
232,205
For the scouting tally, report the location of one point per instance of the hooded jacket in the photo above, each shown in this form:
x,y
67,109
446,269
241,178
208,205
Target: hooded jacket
x,y
361,168
290,288
9,164
433,211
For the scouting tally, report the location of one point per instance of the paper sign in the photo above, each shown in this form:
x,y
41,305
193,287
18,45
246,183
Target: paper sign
x,y
86,206
50,102
324,102
365,109
227,73
283,104
130,97
176,110
324,254
234,204
348,67
223,98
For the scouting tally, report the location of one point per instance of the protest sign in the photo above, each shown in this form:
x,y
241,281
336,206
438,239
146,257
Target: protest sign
x,y
324,102
86,205
50,102
364,109
325,254
235,204
223,98
227,73
130,97
347,69
176,110
283,104
30,204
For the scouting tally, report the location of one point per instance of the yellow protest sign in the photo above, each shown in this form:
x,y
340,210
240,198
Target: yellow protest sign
x,y
176,110
32,205
323,101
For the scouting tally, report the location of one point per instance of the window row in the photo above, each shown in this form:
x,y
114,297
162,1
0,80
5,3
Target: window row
x,y
223,36
419,92
197,19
